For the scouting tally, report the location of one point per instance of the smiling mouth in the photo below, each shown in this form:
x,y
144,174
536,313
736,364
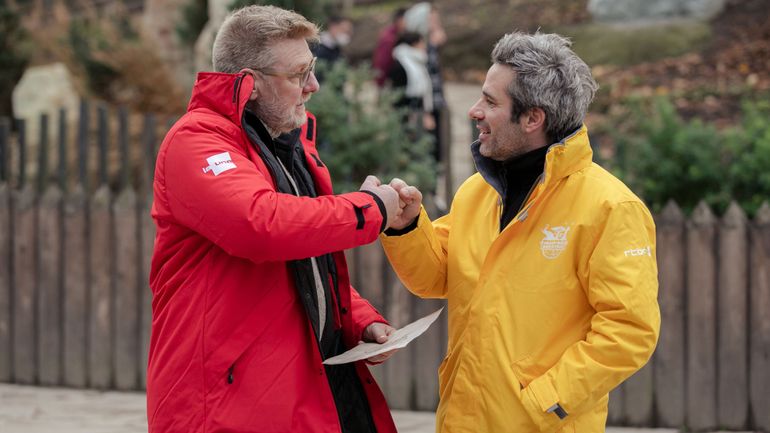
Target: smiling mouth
x,y
483,132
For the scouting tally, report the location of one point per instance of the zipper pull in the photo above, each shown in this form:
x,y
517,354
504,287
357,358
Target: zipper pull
x,y
230,376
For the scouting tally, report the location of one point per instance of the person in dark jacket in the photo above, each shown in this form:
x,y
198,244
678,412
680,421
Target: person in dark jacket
x,y
251,291
328,50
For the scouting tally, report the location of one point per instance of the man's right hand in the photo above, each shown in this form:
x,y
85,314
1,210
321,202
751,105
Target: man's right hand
x,y
387,194
411,197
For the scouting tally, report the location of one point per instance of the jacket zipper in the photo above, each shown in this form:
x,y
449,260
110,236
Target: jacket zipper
x,y
237,89
525,206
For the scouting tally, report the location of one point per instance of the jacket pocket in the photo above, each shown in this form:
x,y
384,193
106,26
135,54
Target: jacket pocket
x,y
526,370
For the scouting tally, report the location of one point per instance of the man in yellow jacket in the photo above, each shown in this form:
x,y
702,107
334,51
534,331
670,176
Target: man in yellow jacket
x,y
547,261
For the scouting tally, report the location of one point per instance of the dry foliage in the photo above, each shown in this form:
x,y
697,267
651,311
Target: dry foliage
x,y
106,55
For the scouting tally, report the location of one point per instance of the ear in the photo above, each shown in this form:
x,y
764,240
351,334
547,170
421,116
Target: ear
x,y
257,83
533,120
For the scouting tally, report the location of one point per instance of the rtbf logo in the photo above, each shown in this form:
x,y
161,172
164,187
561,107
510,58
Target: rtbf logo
x,y
646,251
219,163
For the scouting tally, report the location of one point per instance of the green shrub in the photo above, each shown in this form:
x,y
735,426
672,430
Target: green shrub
x,y
662,157
750,174
14,55
359,135
195,15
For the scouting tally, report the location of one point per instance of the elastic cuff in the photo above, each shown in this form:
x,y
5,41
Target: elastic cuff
x,y
380,205
398,232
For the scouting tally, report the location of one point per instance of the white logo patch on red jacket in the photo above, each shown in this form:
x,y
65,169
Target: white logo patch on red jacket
x,y
219,163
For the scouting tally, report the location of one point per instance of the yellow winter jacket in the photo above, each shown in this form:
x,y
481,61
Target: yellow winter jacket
x,y
559,307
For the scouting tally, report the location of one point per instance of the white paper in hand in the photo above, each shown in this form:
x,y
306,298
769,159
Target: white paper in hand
x,y
397,340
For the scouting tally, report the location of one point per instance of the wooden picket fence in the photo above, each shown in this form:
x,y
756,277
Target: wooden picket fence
x,y
75,306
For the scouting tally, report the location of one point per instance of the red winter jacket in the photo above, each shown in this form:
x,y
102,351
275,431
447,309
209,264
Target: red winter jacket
x,y
232,348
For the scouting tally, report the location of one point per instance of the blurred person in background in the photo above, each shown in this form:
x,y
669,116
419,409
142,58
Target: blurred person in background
x,y
250,286
382,61
409,74
547,261
423,18
338,34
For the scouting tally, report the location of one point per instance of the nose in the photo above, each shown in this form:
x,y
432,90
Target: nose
x,y
475,112
312,84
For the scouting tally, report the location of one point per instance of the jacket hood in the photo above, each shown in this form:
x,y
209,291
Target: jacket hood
x,y
226,94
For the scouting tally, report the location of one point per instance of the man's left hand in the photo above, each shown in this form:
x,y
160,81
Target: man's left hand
x,y
378,333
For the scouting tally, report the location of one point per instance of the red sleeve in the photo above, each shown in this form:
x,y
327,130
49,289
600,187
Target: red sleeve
x,y
210,186
363,313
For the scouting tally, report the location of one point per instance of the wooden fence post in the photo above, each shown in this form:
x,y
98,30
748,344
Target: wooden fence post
x,y
6,285
429,352
76,311
759,320
638,396
5,157
25,278
63,140
6,280
126,319
24,358
399,370
49,244
147,238
670,354
701,320
127,300
615,406
147,241
100,329
370,277
21,133
732,335
100,298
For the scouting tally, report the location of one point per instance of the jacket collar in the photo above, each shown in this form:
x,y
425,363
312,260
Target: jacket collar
x,y
225,94
565,157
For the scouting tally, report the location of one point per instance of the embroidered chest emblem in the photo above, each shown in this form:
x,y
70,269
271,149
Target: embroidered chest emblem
x,y
554,242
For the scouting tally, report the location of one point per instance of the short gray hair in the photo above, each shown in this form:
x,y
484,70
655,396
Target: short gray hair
x,y
245,38
550,76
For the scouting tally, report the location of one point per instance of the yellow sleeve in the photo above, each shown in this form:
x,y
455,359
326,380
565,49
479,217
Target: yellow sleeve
x,y
622,289
420,256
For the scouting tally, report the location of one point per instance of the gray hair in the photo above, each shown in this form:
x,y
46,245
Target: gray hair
x,y
550,76
246,37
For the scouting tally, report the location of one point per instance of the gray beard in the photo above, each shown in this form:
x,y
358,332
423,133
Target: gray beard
x,y
275,123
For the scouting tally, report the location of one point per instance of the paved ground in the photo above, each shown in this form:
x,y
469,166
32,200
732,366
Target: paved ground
x,y
26,409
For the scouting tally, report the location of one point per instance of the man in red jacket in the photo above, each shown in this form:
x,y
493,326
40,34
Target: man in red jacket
x,y
251,291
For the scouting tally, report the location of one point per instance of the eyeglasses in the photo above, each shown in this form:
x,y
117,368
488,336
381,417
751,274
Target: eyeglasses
x,y
303,76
